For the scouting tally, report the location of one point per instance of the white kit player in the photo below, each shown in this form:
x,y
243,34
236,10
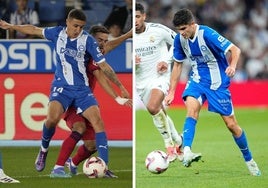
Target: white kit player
x,y
153,67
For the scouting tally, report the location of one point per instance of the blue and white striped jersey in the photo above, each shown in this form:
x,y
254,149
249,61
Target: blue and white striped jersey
x,y
206,53
72,55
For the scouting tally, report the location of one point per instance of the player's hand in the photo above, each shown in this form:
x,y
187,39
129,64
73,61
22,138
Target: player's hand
x,y
169,99
124,101
162,67
129,103
4,24
230,71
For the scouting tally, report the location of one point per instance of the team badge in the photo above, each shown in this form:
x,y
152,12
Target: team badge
x,y
152,39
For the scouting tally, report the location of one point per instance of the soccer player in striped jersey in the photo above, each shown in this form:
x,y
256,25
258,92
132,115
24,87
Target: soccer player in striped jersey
x,y
74,47
153,65
80,127
3,177
207,51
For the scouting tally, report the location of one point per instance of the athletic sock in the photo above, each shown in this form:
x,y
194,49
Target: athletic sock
x,y
174,133
67,147
189,131
102,146
47,135
81,154
161,123
243,146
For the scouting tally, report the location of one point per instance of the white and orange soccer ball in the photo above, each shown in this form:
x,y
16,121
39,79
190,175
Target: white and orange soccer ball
x,y
156,162
94,167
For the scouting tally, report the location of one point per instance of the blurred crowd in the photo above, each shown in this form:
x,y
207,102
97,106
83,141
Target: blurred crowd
x,y
244,22
116,15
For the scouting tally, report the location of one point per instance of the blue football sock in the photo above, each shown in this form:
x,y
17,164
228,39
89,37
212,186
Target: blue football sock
x,y
243,146
102,146
189,131
47,135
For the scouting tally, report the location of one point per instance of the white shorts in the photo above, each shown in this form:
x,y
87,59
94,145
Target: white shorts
x,y
162,83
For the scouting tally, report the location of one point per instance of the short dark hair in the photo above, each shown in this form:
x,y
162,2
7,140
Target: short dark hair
x,y
77,14
183,17
139,7
98,28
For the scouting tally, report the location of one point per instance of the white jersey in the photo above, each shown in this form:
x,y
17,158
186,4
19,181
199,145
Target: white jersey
x,y
151,47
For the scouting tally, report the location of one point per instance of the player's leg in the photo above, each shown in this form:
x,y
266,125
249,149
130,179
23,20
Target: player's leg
x,y
67,148
241,141
225,108
84,151
193,107
154,107
55,111
90,110
176,137
92,114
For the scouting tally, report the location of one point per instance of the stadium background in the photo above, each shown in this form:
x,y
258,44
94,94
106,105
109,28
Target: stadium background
x,y
27,67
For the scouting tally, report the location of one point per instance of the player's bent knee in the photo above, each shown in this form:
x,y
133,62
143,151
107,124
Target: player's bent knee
x,y
90,145
51,123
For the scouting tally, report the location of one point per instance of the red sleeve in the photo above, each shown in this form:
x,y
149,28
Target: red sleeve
x,y
91,67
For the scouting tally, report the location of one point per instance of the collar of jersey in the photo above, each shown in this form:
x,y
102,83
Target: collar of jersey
x,y
195,34
72,39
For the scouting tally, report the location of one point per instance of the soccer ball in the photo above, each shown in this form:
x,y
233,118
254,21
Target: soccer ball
x,y
156,162
94,167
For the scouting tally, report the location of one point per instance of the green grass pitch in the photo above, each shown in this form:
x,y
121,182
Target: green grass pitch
x,y
18,162
222,166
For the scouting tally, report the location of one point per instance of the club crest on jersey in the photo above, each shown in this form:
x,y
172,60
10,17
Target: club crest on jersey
x,y
152,39
81,48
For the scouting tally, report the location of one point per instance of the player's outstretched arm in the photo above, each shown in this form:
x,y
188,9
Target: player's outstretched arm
x,y
26,29
112,44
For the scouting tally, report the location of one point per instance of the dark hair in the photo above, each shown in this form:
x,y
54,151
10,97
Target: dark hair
x,y
98,28
139,7
77,14
183,17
